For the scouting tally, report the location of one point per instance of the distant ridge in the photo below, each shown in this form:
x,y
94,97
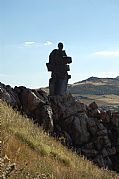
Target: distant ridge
x,y
97,79
96,86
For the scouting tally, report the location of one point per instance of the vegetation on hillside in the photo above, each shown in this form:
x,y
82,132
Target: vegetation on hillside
x,y
28,152
96,86
106,100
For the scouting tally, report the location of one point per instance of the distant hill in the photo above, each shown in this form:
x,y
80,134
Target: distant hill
x,y
96,86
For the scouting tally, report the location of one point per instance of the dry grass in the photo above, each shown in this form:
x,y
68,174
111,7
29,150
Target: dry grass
x,y
37,155
100,99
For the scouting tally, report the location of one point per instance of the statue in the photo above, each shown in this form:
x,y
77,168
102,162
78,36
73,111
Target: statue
x,y
58,65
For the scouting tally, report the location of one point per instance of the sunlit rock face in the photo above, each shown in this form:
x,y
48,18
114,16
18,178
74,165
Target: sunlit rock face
x,y
31,102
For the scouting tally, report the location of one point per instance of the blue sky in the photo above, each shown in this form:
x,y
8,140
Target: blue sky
x,y
31,29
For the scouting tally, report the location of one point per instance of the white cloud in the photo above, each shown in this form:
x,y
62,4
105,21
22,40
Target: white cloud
x,y
27,44
47,43
33,43
107,53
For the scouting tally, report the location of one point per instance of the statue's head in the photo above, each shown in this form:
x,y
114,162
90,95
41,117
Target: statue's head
x,y
60,46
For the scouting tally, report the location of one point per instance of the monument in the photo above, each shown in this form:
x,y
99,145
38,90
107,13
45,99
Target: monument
x,y
59,66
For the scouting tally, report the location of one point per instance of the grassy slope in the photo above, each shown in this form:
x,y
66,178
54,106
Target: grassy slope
x,y
39,156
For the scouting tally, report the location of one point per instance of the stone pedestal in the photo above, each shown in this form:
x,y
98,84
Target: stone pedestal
x,y
57,86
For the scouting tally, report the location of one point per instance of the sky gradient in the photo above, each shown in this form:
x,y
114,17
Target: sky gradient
x,y
31,29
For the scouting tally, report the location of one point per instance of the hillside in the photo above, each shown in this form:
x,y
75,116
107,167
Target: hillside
x,y
104,91
27,152
96,86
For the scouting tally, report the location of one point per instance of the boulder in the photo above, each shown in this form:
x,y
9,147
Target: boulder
x,y
8,95
35,105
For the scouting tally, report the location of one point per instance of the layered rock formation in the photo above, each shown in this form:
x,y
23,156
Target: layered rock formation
x,y
85,129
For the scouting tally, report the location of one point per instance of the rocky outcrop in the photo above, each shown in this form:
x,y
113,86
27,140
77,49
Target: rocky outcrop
x,y
85,129
8,94
89,131
31,102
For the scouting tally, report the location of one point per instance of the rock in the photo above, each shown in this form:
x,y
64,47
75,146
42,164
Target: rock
x,y
93,111
89,145
79,132
92,126
89,152
104,152
66,106
8,95
99,143
103,162
28,99
111,151
36,106
47,118
93,106
105,116
102,132
115,119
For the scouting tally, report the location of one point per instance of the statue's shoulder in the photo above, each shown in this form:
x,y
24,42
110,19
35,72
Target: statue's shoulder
x,y
54,51
52,56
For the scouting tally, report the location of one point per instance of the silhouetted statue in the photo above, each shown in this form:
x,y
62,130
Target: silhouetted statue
x,y
58,61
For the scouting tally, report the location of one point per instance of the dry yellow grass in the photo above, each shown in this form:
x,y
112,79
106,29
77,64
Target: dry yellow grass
x,y
100,99
38,155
